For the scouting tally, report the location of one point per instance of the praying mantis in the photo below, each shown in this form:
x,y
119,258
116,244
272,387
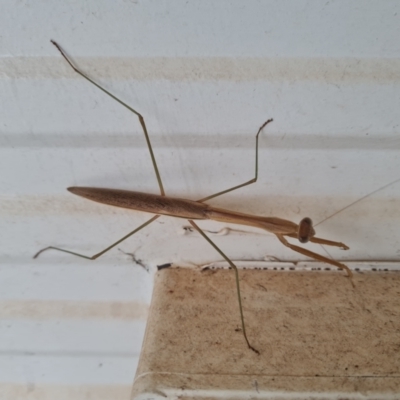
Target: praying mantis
x,y
198,210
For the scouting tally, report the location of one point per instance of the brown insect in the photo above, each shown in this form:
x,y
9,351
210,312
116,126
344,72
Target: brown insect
x,y
199,210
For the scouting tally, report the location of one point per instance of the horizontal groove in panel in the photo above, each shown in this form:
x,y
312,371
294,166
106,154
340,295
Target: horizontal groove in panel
x,y
63,391
40,309
337,70
93,140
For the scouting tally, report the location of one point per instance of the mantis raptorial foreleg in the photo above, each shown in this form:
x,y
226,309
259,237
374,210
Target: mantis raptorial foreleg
x,y
329,243
316,256
323,241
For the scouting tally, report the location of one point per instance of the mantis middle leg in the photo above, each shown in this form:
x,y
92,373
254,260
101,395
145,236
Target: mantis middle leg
x,y
237,280
248,182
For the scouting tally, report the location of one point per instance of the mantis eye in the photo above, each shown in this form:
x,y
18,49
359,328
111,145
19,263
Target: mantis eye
x,y
306,230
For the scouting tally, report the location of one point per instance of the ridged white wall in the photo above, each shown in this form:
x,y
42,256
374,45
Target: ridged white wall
x,y
205,75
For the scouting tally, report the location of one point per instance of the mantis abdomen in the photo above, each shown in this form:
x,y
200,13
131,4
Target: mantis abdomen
x,y
181,208
146,202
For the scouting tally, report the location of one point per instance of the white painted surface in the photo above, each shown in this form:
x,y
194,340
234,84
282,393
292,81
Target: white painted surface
x,y
205,75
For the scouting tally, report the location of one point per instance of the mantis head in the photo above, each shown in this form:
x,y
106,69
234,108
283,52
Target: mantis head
x,y
306,230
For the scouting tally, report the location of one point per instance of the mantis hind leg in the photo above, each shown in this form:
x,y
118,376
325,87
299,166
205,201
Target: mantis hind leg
x,y
97,255
316,256
141,119
237,281
143,125
248,182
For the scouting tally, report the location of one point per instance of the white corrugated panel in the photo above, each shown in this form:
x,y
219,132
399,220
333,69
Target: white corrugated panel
x,y
205,75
